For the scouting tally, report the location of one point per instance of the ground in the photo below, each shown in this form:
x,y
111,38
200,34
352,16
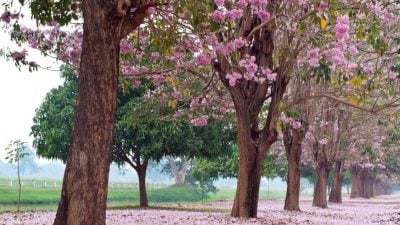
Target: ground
x,y
381,210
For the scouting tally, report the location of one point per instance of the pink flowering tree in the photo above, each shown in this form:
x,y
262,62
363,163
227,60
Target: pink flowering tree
x,y
216,53
97,43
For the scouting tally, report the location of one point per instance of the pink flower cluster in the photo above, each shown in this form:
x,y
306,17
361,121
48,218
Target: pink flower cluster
x,y
251,72
7,16
231,46
200,121
313,57
204,59
295,124
342,28
221,14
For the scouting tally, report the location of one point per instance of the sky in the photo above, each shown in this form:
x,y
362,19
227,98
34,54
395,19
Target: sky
x,y
21,92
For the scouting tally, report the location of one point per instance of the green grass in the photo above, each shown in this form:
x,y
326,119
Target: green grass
x,y
35,199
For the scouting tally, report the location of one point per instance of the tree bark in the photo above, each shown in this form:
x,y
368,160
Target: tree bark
x,y
251,157
336,190
248,185
292,140
84,190
141,172
367,184
320,187
356,185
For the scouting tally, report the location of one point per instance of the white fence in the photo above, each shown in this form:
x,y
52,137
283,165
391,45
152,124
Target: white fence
x,y
35,183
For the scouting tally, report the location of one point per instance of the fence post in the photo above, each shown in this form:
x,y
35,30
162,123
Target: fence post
x,y
11,183
55,184
45,184
34,183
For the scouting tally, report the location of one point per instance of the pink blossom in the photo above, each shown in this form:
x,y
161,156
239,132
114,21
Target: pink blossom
x,y
218,16
234,14
251,68
313,53
125,47
269,74
314,62
240,42
199,121
242,3
219,3
257,3
233,77
353,50
323,6
204,59
263,15
341,45
342,28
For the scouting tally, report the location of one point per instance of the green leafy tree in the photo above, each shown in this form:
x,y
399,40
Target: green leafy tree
x,y
15,152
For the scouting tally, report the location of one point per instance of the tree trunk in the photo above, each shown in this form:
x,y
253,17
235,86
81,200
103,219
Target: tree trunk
x,y
84,190
367,180
336,190
371,183
141,172
251,157
19,184
364,183
356,185
292,140
320,187
248,185
179,175
183,171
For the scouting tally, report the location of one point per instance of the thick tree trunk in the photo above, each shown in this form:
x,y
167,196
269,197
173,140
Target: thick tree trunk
x,y
365,184
371,183
356,184
320,187
367,180
336,190
84,190
141,172
248,186
251,157
292,141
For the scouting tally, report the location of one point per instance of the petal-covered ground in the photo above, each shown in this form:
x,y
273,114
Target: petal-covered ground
x,y
382,210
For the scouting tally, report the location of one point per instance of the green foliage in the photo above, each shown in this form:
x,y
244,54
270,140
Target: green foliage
x,y
52,123
62,11
16,151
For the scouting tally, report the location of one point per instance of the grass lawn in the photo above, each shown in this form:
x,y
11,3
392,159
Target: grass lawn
x,y
35,199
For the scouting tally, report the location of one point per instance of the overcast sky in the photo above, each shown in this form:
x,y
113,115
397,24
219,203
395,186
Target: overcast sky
x,y
21,92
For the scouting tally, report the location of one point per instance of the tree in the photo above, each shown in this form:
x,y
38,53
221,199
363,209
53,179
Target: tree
x,y
253,48
15,152
105,23
141,134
